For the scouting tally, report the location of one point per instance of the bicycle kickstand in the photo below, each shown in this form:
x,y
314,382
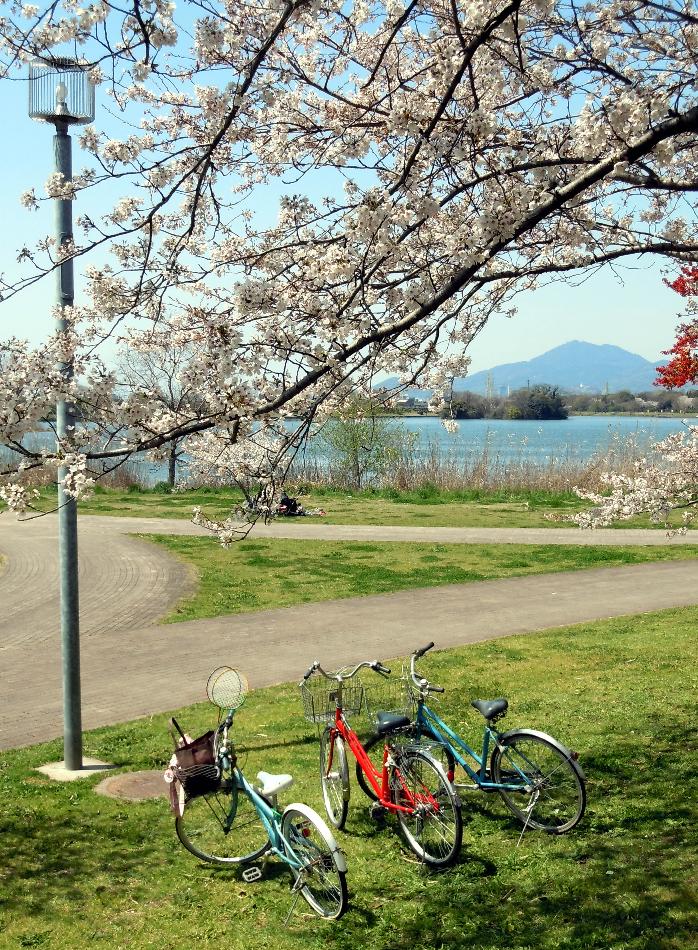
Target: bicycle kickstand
x,y
296,891
529,812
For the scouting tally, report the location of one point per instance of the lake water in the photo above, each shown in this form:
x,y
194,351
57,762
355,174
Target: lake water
x,y
576,439
579,437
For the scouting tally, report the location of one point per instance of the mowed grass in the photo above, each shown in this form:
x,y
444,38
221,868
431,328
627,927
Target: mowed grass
x,y
83,871
428,506
262,574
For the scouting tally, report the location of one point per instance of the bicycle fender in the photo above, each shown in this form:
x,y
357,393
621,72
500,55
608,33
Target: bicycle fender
x,y
337,852
537,734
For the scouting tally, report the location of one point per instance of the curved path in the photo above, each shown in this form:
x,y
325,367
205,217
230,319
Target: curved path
x,y
133,667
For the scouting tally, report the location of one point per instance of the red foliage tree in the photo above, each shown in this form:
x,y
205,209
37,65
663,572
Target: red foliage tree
x,y
682,368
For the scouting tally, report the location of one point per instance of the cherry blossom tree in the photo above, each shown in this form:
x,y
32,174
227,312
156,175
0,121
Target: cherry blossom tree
x,y
428,162
668,481
664,483
161,375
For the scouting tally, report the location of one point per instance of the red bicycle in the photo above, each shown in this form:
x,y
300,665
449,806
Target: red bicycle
x,y
411,783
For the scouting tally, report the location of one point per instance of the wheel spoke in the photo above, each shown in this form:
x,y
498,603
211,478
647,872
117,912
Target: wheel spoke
x,y
432,827
318,879
552,795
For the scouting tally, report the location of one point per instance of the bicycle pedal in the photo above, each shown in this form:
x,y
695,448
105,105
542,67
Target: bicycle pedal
x,y
249,875
377,813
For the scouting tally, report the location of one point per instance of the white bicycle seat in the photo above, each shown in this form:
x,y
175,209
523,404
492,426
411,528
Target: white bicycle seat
x,y
273,784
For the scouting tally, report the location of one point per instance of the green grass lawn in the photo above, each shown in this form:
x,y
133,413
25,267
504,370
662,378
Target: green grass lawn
x,y
469,509
429,507
261,574
79,870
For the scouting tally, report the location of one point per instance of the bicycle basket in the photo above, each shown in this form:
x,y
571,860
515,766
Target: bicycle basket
x,y
319,699
388,696
196,766
226,688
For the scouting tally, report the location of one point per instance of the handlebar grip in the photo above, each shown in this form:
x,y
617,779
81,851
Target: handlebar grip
x,y
310,670
379,668
424,650
436,689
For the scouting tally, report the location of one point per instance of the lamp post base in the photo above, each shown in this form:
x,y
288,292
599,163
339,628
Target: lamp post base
x,y
59,772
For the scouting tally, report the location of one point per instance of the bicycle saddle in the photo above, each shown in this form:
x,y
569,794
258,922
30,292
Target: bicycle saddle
x,y
386,722
491,708
273,784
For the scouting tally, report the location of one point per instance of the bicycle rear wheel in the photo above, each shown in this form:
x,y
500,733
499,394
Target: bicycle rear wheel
x,y
433,827
321,878
222,827
334,776
552,793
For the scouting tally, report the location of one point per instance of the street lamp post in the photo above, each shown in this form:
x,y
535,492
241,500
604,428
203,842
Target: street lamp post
x,y
61,93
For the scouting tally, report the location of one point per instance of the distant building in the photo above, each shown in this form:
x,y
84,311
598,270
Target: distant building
x,y
411,402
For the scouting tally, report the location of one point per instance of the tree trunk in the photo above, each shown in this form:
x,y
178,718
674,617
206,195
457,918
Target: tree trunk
x,y
172,465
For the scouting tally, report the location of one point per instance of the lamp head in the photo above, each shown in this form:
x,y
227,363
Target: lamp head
x,y
60,91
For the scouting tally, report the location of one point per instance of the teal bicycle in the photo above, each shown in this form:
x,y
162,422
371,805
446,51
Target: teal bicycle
x,y
538,778
223,818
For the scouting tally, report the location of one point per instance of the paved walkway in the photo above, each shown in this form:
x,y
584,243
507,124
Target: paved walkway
x,y
133,667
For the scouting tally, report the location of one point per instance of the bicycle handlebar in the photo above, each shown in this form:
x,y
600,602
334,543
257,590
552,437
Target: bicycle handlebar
x,y
311,670
342,675
420,681
420,653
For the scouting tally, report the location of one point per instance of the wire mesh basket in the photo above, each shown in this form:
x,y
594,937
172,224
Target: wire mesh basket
x,y
196,766
319,698
391,696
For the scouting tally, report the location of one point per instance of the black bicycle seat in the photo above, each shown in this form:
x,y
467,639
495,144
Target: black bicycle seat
x,y
491,708
386,722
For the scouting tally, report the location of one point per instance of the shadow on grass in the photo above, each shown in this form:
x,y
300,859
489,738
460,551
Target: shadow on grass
x,y
624,880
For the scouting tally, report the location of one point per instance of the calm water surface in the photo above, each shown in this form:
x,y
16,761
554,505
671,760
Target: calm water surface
x,y
578,438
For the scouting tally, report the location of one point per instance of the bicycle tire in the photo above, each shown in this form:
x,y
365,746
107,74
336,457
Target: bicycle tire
x,y
202,827
434,830
334,781
322,878
375,744
554,799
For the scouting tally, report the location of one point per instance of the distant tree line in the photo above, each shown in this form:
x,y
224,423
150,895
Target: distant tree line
x,y
534,402
544,401
658,400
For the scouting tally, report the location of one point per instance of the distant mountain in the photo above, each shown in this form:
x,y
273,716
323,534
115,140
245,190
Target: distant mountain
x,y
573,367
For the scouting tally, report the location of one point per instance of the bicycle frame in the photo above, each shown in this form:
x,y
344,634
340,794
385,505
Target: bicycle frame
x,y
379,781
270,818
268,814
429,723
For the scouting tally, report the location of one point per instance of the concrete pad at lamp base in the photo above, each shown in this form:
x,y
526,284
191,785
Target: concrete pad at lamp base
x,y
58,771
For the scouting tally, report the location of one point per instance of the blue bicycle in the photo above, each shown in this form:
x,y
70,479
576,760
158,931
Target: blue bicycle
x,y
538,778
224,819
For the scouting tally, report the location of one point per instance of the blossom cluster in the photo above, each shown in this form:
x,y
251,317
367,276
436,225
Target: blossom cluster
x,y
657,487
428,164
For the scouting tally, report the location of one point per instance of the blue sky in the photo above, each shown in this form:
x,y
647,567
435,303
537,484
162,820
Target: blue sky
x,y
624,306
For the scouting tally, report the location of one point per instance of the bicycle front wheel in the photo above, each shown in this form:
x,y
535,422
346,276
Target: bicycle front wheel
x,y
547,789
433,825
321,877
334,776
222,827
